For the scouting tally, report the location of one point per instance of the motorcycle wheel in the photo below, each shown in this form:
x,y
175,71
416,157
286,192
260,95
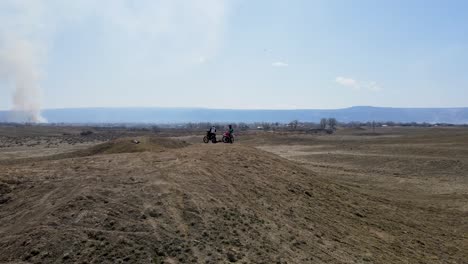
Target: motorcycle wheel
x,y
205,139
225,140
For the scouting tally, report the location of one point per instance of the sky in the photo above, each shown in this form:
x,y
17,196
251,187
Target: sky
x,y
239,54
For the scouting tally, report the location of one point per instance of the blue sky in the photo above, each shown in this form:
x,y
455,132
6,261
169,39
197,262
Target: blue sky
x,y
236,54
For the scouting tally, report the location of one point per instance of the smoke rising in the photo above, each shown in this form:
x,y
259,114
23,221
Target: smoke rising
x,y
139,35
20,57
19,67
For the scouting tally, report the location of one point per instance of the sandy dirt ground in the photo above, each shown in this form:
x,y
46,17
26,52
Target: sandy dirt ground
x,y
396,196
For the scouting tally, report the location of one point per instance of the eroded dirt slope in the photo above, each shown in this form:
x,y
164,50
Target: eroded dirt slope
x,y
209,204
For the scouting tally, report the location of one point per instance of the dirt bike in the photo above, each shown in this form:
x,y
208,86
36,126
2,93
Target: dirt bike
x,y
210,137
227,138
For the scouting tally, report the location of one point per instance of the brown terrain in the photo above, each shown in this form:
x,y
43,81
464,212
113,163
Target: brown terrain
x,y
399,195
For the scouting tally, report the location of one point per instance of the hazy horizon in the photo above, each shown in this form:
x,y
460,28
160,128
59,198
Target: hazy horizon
x,y
185,115
240,109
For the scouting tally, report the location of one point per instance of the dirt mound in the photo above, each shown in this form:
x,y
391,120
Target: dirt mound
x,y
213,203
132,145
115,146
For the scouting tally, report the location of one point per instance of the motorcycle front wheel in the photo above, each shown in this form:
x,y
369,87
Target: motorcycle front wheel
x,y
205,139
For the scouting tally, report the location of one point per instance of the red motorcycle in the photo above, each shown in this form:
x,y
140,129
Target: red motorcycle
x,y
228,138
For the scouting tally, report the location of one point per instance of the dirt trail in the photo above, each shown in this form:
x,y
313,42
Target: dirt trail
x,y
215,203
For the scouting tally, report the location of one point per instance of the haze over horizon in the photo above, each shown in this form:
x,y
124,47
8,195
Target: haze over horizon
x,y
240,109
232,54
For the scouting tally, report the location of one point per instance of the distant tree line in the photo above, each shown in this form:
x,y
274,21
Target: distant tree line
x,y
399,124
324,124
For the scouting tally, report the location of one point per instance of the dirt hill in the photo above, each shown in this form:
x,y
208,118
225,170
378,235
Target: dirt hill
x,y
211,203
132,145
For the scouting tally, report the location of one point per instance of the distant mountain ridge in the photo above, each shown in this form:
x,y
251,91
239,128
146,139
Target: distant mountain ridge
x,y
183,115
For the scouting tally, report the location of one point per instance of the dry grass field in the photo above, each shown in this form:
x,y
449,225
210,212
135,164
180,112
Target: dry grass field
x,y
399,195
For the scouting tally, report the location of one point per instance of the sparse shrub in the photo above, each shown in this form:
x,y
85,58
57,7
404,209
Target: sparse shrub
x,y
86,133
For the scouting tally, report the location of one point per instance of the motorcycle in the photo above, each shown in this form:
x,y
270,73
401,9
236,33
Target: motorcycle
x,y
210,137
227,138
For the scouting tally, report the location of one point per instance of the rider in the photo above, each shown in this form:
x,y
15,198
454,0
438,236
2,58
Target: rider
x,y
231,132
212,131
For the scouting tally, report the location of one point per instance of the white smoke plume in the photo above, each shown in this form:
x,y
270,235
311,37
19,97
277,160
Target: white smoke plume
x,y
175,31
18,65
20,58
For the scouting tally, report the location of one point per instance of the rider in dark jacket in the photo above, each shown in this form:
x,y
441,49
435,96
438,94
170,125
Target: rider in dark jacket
x,y
231,132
